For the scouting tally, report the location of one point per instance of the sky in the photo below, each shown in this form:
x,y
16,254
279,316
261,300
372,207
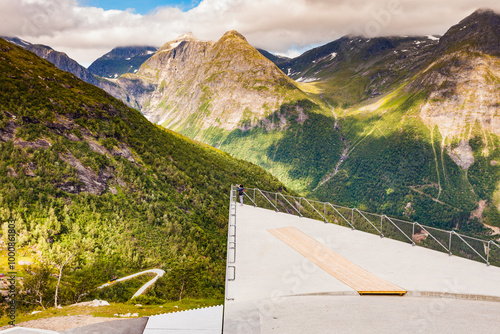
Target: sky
x,y
140,7
87,29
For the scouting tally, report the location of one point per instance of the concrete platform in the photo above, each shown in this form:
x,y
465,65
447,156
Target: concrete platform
x,y
275,287
206,320
24,330
125,326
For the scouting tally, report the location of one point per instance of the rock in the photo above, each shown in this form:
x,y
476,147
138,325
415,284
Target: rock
x,y
123,151
30,169
11,172
94,303
38,143
462,155
92,183
96,147
97,303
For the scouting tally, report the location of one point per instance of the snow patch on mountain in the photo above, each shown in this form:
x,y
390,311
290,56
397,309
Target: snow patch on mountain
x,y
172,46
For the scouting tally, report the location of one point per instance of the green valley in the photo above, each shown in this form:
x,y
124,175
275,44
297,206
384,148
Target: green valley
x,y
406,126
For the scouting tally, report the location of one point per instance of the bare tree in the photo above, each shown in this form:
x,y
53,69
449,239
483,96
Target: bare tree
x,y
61,267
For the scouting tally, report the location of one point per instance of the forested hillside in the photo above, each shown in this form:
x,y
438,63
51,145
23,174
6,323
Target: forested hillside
x,y
89,179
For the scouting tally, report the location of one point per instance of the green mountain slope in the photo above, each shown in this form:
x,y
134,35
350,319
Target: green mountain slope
x,y
428,149
60,59
85,176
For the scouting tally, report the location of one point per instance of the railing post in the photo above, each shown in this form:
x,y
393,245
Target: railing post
x,y
324,211
290,204
449,245
337,211
488,254
276,199
300,203
381,221
254,196
413,233
352,216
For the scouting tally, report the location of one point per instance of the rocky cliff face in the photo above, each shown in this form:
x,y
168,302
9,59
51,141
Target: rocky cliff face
x,y
200,85
463,78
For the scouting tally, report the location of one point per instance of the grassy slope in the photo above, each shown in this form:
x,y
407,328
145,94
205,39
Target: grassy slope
x,y
396,166
170,205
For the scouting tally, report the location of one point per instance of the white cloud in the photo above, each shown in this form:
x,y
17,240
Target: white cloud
x,y
281,26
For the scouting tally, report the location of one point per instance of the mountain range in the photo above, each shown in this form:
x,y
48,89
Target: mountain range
x,y
402,125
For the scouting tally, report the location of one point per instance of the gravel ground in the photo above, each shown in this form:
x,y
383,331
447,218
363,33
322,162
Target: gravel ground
x,y
60,324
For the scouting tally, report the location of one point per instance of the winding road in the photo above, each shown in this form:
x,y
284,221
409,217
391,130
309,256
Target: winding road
x,y
159,273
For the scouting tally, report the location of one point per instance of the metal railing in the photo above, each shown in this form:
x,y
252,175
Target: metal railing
x,y
231,242
414,233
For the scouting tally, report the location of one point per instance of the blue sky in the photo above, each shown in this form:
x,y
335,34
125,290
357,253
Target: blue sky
x,y
140,6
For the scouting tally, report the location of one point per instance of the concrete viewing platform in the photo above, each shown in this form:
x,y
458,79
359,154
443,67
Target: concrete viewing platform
x,y
287,279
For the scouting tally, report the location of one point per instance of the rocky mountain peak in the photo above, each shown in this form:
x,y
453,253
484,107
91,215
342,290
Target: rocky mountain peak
x,y
121,60
479,32
233,34
222,84
188,37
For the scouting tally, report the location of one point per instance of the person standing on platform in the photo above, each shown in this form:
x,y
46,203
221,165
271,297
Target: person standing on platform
x,y
241,190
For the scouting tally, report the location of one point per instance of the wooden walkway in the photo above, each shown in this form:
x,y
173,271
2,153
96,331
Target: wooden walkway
x,y
339,267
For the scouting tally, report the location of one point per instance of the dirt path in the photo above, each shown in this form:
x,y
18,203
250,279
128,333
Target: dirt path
x,y
159,273
434,199
60,324
496,230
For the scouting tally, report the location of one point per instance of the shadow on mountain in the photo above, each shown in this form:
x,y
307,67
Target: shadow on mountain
x,y
399,175
296,142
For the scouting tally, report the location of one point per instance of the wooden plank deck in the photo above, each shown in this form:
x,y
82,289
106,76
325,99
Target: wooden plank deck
x,y
339,267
